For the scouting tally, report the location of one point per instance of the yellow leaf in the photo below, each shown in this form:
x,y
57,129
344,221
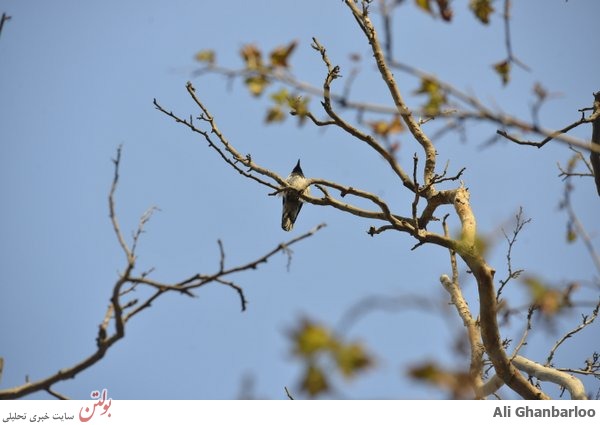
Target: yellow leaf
x,y
426,372
280,55
280,97
275,114
298,105
311,338
437,97
256,84
314,381
424,4
571,234
252,57
379,127
207,56
351,359
482,9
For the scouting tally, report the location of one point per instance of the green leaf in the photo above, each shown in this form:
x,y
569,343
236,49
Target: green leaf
x,y
311,338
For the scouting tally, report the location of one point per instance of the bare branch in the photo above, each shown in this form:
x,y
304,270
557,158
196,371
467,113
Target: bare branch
x,y
473,332
116,310
287,393
368,29
302,86
482,112
332,74
523,340
507,39
5,18
544,373
488,308
56,394
595,155
575,226
111,208
375,303
586,321
512,274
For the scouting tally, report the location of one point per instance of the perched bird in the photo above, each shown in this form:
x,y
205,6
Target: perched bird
x,y
292,204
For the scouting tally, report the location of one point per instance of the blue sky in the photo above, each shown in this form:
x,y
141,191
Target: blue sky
x,y
77,79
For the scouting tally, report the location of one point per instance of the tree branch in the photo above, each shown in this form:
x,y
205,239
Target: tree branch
x,y
595,155
332,74
362,17
5,18
488,310
116,310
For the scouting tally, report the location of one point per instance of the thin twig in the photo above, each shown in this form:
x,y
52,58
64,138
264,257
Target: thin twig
x,y
5,18
586,321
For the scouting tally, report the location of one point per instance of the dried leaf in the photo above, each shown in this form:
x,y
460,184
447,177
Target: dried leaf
x,y
281,54
443,6
385,128
540,92
548,299
445,10
503,69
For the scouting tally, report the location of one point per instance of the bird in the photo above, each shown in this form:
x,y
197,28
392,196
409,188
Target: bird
x,y
292,204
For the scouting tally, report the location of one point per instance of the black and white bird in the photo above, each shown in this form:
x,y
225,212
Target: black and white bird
x,y
292,204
